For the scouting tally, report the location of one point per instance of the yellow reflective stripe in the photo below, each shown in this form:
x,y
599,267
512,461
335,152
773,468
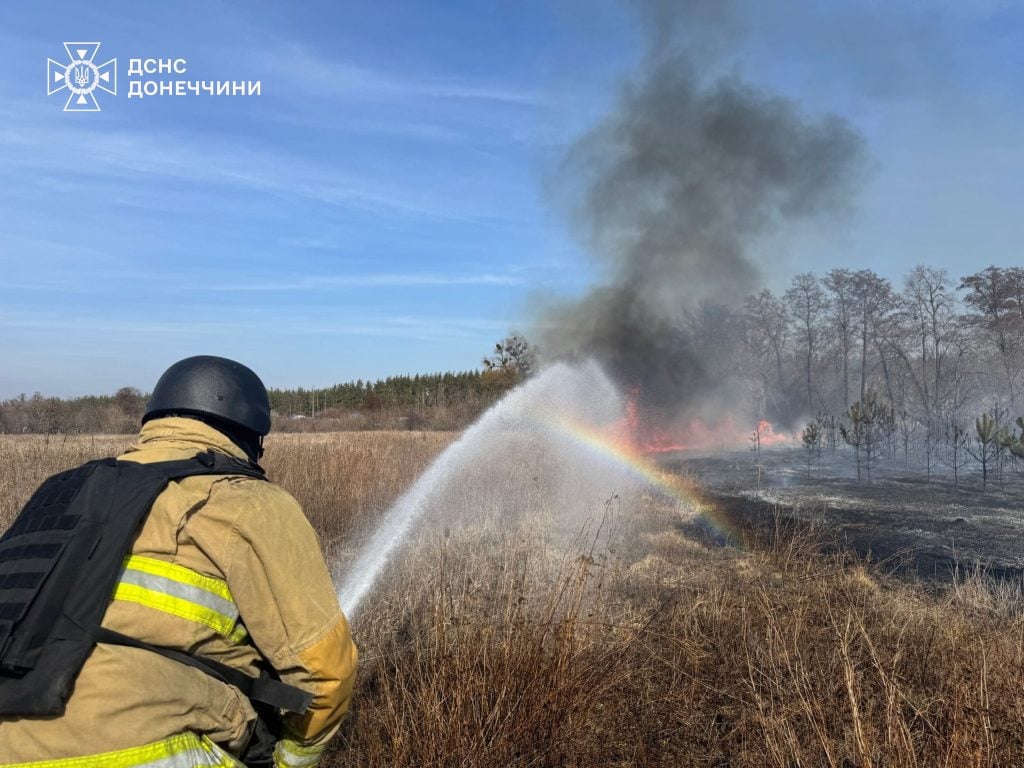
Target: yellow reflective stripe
x,y
289,754
175,606
181,592
238,635
186,750
177,589
178,573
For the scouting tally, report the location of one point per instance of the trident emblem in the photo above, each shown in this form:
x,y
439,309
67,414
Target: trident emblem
x,y
81,76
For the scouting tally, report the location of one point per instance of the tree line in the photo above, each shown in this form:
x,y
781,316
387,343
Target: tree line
x,y
440,400
928,371
113,414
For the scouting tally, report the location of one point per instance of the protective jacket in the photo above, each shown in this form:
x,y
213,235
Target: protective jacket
x,y
226,567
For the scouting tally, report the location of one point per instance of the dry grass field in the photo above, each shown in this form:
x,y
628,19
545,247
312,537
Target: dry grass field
x,y
492,642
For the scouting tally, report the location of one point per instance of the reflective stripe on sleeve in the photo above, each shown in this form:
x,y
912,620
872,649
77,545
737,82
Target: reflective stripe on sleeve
x,y
181,592
288,754
186,750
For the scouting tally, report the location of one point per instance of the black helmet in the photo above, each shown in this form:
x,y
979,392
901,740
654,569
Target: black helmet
x,y
215,388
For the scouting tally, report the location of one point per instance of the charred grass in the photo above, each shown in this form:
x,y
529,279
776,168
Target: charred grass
x,y
491,643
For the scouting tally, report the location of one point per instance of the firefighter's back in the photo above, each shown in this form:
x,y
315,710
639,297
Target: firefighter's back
x,y
172,593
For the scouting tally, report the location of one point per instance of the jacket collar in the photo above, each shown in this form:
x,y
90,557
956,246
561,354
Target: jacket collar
x,y
178,433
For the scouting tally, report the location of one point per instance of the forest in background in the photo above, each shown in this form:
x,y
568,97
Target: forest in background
x,y
446,401
928,372
432,401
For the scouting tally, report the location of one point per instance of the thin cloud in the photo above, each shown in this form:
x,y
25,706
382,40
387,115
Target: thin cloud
x,y
417,328
366,280
128,155
308,71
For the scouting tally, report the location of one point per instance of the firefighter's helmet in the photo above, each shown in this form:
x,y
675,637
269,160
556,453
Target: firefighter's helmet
x,y
216,388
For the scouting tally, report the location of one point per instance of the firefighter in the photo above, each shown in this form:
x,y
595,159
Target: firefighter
x,y
224,567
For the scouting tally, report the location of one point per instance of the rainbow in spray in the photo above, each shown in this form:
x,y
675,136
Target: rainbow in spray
x,y
669,484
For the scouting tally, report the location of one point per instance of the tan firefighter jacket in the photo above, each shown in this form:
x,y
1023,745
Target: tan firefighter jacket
x,y
223,566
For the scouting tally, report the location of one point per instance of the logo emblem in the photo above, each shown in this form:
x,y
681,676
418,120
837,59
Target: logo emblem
x,y
81,76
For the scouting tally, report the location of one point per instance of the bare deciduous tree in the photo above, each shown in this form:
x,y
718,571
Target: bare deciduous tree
x,y
767,334
929,301
995,296
872,298
807,305
840,283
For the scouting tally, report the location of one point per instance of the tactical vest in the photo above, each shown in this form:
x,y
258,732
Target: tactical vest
x,y
59,564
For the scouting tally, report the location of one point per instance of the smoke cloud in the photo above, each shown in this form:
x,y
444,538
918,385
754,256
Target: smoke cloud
x,y
670,192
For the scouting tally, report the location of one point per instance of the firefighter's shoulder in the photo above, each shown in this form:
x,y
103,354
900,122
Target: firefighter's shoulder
x,y
261,504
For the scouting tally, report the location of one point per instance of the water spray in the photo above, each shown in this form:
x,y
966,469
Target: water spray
x,y
561,393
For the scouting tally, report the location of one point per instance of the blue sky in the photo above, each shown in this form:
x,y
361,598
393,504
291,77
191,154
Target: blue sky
x,y
381,207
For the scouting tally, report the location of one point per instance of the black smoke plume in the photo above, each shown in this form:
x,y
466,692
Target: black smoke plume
x,y
669,193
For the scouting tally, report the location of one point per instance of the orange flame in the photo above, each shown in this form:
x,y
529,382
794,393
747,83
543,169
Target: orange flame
x,y
767,434
638,433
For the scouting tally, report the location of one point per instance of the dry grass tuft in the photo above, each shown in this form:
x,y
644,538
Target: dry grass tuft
x,y
27,460
346,480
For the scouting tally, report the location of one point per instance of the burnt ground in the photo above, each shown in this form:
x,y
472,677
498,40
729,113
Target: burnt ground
x,y
900,520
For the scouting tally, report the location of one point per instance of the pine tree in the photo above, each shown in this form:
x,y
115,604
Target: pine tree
x,y
861,432
811,438
985,445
